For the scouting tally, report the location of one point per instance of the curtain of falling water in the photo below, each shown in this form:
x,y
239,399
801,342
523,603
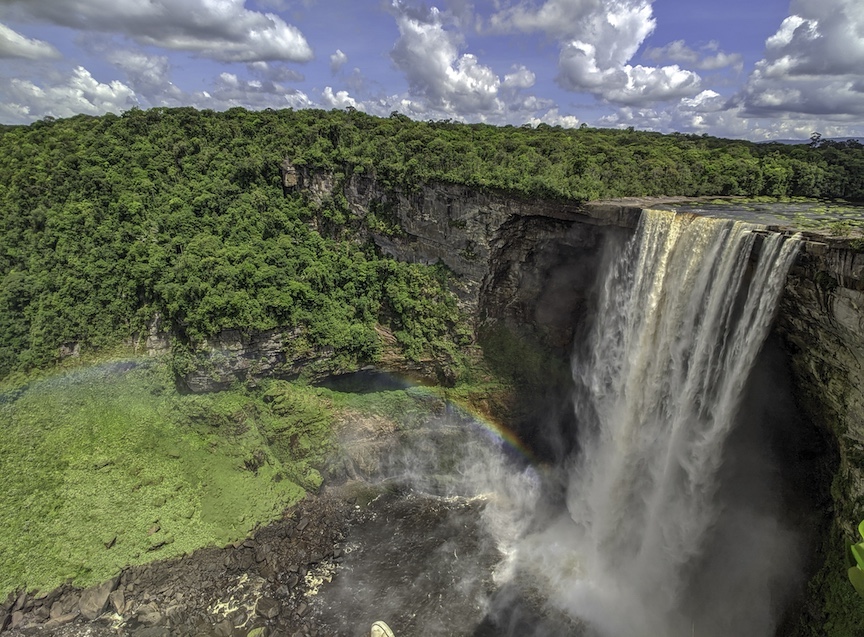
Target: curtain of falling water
x,y
683,315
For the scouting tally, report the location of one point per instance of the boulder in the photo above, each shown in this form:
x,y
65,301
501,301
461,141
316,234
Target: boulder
x,y
149,614
17,618
267,608
118,601
59,620
94,601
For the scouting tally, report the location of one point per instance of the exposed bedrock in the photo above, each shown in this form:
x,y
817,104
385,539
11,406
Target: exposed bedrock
x,y
476,234
821,320
527,269
526,272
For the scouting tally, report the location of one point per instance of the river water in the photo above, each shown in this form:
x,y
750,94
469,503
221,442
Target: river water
x,y
665,521
683,314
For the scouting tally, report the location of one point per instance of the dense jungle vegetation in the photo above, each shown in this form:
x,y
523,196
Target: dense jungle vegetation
x,y
107,221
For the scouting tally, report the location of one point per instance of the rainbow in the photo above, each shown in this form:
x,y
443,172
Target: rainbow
x,y
498,432
493,430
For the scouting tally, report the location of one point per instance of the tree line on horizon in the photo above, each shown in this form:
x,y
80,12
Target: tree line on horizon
x,y
107,221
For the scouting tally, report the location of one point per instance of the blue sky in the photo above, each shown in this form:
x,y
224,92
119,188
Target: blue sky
x,y
757,69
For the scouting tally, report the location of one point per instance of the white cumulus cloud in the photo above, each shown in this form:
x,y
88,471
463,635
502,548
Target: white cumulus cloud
x,y
223,30
337,99
521,77
143,69
708,58
598,39
428,55
230,90
623,84
274,72
813,64
23,100
15,45
554,118
712,114
337,60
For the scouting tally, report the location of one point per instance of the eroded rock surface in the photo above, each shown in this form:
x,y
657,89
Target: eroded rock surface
x,y
333,566
821,320
461,227
259,583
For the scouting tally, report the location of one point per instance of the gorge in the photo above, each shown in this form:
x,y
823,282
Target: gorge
x,y
530,271
673,454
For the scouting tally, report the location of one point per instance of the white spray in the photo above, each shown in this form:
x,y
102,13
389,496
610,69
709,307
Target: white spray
x,y
683,314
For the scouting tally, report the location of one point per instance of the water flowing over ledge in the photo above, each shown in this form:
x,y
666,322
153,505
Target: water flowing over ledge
x,y
685,308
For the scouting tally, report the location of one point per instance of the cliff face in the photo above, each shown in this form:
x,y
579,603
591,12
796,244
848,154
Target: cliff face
x,y
466,228
530,267
821,319
509,258
820,322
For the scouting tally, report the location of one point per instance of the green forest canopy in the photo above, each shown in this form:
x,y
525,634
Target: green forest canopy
x,y
107,221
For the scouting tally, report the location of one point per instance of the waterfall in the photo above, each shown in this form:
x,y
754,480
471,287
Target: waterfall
x,y
683,314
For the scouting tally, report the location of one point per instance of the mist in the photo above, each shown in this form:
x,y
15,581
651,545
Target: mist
x,y
668,517
673,523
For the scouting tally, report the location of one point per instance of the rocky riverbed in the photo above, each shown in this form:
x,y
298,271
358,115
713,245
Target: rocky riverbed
x,y
336,563
409,528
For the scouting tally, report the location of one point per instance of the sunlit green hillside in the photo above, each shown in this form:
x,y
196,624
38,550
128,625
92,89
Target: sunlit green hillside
x,y
106,466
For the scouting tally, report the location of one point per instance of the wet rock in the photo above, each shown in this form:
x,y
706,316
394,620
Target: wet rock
x,y
246,561
60,620
223,629
267,607
173,614
268,572
118,601
19,603
239,618
17,619
65,605
40,613
149,614
49,599
94,601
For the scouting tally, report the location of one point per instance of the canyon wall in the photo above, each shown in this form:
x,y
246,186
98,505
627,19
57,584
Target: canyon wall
x,y
506,255
529,268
